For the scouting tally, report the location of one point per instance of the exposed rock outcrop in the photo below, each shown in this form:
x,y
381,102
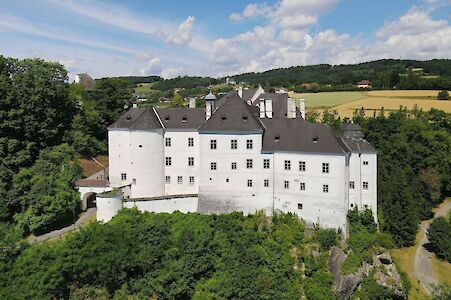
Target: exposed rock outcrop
x,y
344,285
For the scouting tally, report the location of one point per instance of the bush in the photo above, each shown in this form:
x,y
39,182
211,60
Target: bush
x,y
443,95
439,234
326,238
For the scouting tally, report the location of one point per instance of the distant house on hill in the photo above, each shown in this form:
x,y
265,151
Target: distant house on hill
x,y
85,80
230,80
306,86
364,84
281,91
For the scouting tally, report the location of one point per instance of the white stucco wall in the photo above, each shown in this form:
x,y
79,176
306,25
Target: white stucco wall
x,y
119,156
179,151
326,209
85,191
184,205
359,173
108,207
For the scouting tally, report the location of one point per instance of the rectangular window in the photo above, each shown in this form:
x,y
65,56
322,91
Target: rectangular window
x,y
249,144
190,161
190,142
351,185
168,179
266,183
213,166
325,167
302,166
249,163
266,164
179,179
191,179
287,165
325,188
365,185
233,144
299,205
168,161
167,142
286,184
234,166
365,163
249,182
302,186
213,144
123,176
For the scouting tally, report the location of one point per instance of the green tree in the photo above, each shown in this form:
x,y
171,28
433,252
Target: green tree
x,y
443,95
439,234
177,101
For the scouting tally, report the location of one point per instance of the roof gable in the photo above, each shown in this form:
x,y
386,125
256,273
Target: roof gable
x,y
233,115
137,118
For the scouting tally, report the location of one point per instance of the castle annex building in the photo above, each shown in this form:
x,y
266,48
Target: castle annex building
x,y
247,151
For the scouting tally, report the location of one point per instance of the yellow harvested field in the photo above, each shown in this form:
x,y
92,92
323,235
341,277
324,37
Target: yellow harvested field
x,y
404,93
376,103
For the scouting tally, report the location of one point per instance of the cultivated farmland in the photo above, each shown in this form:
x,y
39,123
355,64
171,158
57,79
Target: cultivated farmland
x,y
347,102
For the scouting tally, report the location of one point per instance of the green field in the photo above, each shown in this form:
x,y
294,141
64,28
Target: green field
x,y
143,87
327,99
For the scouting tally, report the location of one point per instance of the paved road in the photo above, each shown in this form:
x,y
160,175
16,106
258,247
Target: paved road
x,y
424,270
84,218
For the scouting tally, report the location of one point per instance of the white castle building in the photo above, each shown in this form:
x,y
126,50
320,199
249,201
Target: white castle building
x,y
247,151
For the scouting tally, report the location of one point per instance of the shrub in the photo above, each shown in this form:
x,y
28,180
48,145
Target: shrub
x,y
326,238
443,95
439,235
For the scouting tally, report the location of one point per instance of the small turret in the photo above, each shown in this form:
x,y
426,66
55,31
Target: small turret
x,y
209,105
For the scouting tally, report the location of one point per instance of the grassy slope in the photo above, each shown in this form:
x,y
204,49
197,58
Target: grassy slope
x,y
327,99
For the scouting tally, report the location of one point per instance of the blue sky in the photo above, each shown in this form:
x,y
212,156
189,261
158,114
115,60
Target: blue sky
x,y
217,38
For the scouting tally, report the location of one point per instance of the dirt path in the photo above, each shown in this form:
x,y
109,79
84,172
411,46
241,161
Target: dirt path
x,y
85,217
424,269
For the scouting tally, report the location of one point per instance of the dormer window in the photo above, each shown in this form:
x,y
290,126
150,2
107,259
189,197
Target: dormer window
x,y
166,118
244,116
184,119
277,138
315,139
223,117
129,118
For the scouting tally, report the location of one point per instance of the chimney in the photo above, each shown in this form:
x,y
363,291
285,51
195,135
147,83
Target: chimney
x,y
240,91
262,108
268,108
192,102
291,108
135,104
302,108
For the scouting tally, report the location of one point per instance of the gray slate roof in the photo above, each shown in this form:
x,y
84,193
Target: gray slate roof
x,y
279,104
137,118
248,94
182,117
358,145
299,135
233,115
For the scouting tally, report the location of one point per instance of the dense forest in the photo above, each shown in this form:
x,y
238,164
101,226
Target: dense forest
x,y
383,74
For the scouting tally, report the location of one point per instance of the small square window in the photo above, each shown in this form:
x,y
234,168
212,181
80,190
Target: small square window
x,y
325,167
190,161
325,188
227,179
213,166
365,185
287,165
233,144
213,144
365,163
351,185
179,179
299,205
168,161
123,176
168,142
249,144
266,164
302,186
249,182
302,166
134,181
352,205
266,183
249,163
286,184
168,179
234,166
191,179
190,142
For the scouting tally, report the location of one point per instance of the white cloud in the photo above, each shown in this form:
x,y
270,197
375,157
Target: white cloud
x,y
172,72
184,33
252,10
153,67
